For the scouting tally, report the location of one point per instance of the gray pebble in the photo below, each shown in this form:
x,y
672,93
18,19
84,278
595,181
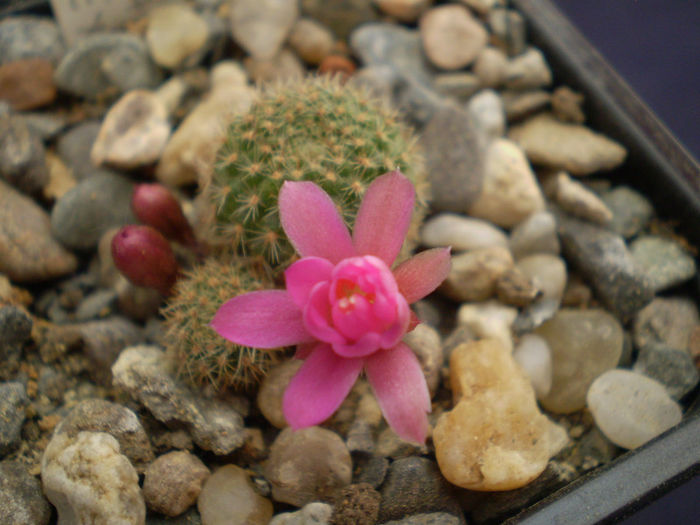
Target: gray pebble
x,y
45,126
15,330
315,513
665,262
667,320
431,518
74,148
22,155
97,305
487,113
98,203
370,469
13,399
671,367
536,234
603,258
106,63
30,37
631,210
22,501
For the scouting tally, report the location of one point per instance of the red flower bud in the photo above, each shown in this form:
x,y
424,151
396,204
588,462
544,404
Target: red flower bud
x,y
155,206
144,257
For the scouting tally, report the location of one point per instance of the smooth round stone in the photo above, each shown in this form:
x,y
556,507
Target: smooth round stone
x,y
495,438
667,320
22,154
528,71
311,40
570,147
474,274
174,34
104,62
546,272
536,234
228,496
173,482
452,37
74,148
403,10
272,390
486,109
261,26
27,84
490,67
461,233
533,355
579,201
631,409
460,85
663,260
673,368
282,67
30,37
510,192
584,344
631,210
520,104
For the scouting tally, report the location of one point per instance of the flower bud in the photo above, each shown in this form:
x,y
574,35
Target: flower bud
x,y
144,257
156,206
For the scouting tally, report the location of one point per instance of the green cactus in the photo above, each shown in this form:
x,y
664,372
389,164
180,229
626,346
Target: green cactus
x,y
315,129
201,355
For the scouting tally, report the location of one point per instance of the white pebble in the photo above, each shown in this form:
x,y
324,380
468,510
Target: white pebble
x,y
546,272
535,358
462,233
631,409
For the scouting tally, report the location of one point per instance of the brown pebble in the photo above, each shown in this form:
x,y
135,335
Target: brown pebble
x,y
566,105
337,65
515,289
356,504
27,84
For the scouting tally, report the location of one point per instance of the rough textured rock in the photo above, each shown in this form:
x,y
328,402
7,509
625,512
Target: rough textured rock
x,y
21,499
569,147
28,252
495,438
13,400
27,84
29,37
307,465
356,504
22,154
630,409
474,274
631,210
665,262
228,497
671,367
173,482
584,344
666,320
315,513
89,481
15,331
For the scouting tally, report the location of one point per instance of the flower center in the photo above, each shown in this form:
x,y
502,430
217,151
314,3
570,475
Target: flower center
x,y
347,293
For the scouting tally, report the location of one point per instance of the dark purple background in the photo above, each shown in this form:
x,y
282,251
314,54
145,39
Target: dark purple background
x,y
655,46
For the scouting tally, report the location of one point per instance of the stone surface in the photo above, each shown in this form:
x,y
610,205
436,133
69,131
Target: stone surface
x,y
88,480
340,16
15,331
604,260
487,113
315,513
21,499
495,438
272,389
516,289
490,67
520,104
103,340
535,358
508,30
547,273
61,178
261,26
403,10
175,35
631,210
567,105
577,200
474,274
173,482
356,504
27,83
631,409
454,160
452,38
285,66
30,37
307,465
414,485
666,320
584,344
13,401
311,40
93,206
536,234
428,518
425,343
22,155
461,233
133,133
570,147
488,320
99,415
509,192
106,63
74,148
664,261
460,85
228,497
528,71
671,367
28,252
191,150
143,372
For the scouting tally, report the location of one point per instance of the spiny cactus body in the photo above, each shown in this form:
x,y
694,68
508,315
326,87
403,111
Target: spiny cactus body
x,y
315,130
202,356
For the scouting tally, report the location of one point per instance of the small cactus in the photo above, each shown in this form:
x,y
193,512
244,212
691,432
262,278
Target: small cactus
x,y
202,357
314,129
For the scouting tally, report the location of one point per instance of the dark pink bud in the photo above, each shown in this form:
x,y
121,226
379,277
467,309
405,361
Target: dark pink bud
x,y
154,205
144,257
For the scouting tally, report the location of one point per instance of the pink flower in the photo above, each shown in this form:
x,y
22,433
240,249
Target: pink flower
x,y
343,305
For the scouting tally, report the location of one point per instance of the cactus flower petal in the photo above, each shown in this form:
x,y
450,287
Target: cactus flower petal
x,y
384,217
422,273
319,387
266,319
303,275
399,385
312,223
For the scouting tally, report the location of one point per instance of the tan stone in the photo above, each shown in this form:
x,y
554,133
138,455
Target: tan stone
x,y
495,438
474,274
